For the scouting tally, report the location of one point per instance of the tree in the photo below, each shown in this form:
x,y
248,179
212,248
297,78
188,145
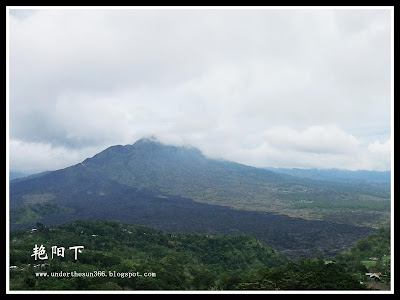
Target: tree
x,y
203,281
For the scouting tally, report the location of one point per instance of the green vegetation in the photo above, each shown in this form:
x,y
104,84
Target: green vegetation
x,y
307,274
180,261
31,213
173,261
375,245
370,255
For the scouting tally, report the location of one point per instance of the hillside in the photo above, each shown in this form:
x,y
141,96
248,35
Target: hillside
x,y
371,254
118,256
179,261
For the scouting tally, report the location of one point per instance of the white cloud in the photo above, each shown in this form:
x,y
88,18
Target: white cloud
x,y
315,139
323,147
308,87
378,156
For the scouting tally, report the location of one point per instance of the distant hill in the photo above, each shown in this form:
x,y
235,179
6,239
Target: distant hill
x,y
336,175
15,175
179,189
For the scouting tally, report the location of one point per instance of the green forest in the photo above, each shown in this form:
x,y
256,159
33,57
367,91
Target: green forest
x,y
109,255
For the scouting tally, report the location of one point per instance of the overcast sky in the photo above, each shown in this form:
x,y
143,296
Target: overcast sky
x,y
305,88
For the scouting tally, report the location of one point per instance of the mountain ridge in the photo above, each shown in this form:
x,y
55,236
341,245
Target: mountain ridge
x,y
338,175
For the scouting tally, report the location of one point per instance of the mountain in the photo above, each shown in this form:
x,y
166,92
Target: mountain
x,y
179,189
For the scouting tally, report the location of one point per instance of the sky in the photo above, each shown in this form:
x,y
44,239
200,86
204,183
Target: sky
x,y
290,88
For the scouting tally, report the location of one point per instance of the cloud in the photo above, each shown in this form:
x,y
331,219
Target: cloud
x,y
325,146
32,158
314,84
378,156
314,139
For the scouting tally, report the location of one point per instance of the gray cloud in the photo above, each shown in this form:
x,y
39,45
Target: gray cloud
x,y
267,87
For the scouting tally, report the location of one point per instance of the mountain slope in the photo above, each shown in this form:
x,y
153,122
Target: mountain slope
x,y
180,171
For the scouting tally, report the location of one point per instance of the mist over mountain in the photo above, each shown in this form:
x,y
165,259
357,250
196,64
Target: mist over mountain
x,y
179,189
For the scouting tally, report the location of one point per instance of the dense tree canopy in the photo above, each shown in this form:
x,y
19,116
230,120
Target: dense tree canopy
x,y
119,256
